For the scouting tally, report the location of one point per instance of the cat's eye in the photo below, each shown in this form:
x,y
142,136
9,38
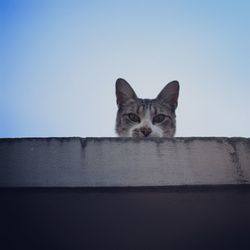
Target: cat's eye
x,y
159,118
134,118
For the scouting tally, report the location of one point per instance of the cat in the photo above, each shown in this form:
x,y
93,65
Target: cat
x,y
138,117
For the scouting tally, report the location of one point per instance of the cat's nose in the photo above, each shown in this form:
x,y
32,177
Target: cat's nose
x,y
146,131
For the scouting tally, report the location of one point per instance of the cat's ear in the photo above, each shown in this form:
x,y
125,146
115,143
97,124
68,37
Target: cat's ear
x,y
124,91
170,94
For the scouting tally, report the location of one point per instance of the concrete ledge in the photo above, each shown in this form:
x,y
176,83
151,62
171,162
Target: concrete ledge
x,y
118,162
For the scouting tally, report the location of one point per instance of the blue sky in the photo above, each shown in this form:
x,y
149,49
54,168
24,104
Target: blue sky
x,y
59,61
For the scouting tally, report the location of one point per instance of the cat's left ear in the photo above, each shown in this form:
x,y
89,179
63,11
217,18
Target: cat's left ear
x,y
124,92
170,94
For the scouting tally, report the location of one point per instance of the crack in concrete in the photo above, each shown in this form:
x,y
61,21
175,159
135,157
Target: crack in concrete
x,y
232,150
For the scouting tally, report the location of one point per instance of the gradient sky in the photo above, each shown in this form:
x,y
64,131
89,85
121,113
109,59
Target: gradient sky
x,y
59,61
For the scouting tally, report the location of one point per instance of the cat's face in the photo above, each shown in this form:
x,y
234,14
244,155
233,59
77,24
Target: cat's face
x,y
146,117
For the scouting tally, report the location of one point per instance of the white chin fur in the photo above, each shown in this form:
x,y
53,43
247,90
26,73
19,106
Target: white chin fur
x,y
156,132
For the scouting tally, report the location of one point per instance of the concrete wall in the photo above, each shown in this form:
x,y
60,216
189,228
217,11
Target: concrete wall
x,y
108,162
174,211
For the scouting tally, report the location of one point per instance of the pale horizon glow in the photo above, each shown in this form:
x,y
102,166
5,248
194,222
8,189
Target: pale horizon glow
x,y
60,60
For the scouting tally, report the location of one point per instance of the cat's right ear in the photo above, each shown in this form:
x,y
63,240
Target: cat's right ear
x,y
170,94
124,91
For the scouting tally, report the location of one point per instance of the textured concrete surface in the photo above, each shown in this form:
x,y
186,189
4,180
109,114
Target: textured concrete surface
x,y
108,162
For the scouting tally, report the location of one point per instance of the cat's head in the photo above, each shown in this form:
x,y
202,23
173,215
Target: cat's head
x,y
138,117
